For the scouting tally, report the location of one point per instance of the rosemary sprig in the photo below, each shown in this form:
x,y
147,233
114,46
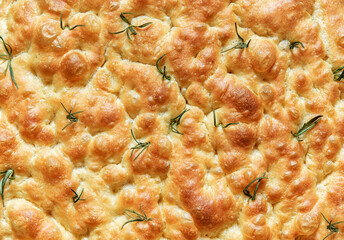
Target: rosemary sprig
x,y
247,192
307,126
241,44
221,124
77,197
130,29
138,218
70,116
176,121
139,145
8,57
162,72
67,26
9,175
331,226
338,76
295,45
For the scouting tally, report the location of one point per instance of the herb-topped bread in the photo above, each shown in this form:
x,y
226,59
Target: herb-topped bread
x,y
173,119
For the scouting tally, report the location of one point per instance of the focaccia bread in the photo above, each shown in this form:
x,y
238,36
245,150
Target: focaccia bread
x,y
143,82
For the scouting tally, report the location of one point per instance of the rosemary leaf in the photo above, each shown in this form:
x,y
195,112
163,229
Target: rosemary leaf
x,y
247,192
77,197
8,57
337,75
331,226
124,18
9,175
162,72
295,45
307,126
67,26
70,116
139,145
130,28
241,44
137,216
221,124
176,121
144,25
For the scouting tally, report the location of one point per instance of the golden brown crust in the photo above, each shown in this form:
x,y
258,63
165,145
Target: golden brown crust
x,y
190,185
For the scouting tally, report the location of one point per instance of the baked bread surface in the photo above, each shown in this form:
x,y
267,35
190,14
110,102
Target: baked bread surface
x,y
190,184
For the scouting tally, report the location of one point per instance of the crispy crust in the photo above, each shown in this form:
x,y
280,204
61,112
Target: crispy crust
x,y
190,184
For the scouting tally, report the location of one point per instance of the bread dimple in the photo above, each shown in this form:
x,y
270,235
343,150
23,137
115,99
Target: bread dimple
x,y
263,55
114,175
228,91
179,224
156,160
46,32
109,145
254,214
149,94
146,45
332,19
53,167
8,140
21,18
28,221
32,117
145,195
231,77
73,65
194,53
209,216
199,11
76,147
268,17
90,32
198,96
